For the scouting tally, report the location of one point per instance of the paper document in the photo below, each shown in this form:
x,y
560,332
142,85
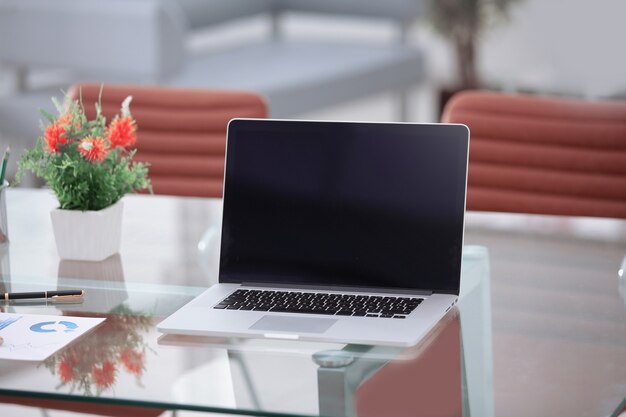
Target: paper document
x,y
32,337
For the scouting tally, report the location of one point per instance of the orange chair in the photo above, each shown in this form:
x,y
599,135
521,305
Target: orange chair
x,y
181,132
543,155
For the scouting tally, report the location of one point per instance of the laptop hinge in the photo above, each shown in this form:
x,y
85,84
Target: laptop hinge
x,y
337,288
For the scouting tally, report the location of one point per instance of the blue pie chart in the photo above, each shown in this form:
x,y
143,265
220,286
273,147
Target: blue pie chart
x,y
54,326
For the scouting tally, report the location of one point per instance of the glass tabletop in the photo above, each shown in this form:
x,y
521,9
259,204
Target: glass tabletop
x,y
539,330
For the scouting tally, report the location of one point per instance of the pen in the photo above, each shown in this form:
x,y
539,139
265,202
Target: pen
x,y
5,161
67,295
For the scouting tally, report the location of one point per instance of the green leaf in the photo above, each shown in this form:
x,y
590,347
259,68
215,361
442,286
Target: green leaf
x,y
58,105
47,115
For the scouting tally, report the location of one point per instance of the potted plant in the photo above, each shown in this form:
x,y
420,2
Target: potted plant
x,y
463,22
89,166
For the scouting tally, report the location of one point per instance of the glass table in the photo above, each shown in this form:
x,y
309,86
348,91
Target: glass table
x,y
540,327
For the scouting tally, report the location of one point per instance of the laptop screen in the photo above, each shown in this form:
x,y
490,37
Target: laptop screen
x,y
344,204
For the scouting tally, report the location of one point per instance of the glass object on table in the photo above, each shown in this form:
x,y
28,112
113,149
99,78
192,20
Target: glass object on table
x,y
5,269
621,273
109,271
4,225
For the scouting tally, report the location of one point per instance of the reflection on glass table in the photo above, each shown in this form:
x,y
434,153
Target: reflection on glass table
x,y
125,361
429,379
93,365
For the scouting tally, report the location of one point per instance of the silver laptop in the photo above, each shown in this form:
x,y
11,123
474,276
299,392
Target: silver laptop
x,y
336,231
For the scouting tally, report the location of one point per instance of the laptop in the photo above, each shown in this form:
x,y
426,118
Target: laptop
x,y
347,232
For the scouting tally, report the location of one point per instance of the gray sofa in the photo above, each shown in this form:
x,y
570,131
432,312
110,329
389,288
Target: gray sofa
x,y
48,45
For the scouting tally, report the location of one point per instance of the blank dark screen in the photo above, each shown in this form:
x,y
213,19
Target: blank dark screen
x,y
344,204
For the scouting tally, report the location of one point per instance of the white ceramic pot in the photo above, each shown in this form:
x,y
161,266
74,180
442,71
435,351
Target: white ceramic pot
x,y
88,235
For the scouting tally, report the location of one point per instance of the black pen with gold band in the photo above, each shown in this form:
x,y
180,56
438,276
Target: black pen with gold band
x,y
64,295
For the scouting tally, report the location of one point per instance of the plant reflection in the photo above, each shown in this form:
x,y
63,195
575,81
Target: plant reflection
x,y
92,363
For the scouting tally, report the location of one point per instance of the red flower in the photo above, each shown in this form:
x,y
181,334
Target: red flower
x,y
66,120
122,132
66,371
103,375
93,149
54,136
132,361
56,133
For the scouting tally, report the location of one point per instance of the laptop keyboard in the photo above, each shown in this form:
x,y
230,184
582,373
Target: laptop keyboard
x,y
320,303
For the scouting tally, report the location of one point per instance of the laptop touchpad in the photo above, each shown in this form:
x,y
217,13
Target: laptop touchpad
x,y
293,324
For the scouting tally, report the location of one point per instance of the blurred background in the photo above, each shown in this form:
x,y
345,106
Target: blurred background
x,y
396,60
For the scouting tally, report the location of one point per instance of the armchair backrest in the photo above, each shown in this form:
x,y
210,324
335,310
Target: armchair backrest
x,y
141,38
181,132
403,11
543,155
202,13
